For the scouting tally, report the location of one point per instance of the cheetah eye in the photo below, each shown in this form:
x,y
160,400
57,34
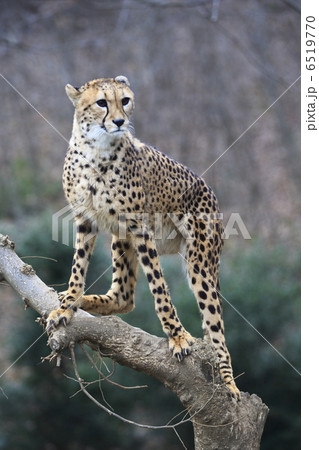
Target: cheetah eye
x,y
125,101
102,103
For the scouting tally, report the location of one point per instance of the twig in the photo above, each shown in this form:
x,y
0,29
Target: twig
x,y
131,422
40,257
105,365
178,414
102,393
87,383
107,378
180,439
151,427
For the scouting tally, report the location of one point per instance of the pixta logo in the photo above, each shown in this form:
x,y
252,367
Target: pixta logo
x,y
64,227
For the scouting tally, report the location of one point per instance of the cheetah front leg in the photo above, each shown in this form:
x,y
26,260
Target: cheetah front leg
x,y
71,299
180,340
120,297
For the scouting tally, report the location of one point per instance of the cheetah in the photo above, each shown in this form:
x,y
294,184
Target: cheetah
x,y
152,205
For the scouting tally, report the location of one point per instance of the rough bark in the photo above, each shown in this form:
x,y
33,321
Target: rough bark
x,y
219,422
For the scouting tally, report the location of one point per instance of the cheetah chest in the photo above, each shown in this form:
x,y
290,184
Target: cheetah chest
x,y
95,192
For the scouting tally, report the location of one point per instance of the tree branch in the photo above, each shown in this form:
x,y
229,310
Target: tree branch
x,y
218,421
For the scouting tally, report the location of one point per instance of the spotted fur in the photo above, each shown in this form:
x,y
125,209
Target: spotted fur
x,y
152,205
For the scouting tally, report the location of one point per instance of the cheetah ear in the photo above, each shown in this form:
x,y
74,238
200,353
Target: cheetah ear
x,y
122,79
73,93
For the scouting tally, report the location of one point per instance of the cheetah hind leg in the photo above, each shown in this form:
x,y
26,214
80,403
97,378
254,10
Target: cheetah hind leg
x,y
209,302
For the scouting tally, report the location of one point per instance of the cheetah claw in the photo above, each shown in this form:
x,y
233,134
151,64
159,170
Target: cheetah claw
x,y
180,355
180,347
62,295
58,317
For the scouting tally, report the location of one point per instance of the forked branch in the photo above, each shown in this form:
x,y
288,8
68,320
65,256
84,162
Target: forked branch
x,y
218,421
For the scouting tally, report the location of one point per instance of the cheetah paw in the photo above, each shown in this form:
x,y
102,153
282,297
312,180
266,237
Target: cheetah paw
x,y
59,317
180,346
234,391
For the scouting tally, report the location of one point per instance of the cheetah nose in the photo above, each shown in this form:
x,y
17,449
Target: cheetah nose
x,y
118,122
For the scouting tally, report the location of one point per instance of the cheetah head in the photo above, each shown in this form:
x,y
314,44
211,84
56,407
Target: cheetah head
x,y
103,108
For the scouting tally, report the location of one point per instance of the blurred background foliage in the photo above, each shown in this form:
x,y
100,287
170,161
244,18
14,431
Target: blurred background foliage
x,y
199,84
